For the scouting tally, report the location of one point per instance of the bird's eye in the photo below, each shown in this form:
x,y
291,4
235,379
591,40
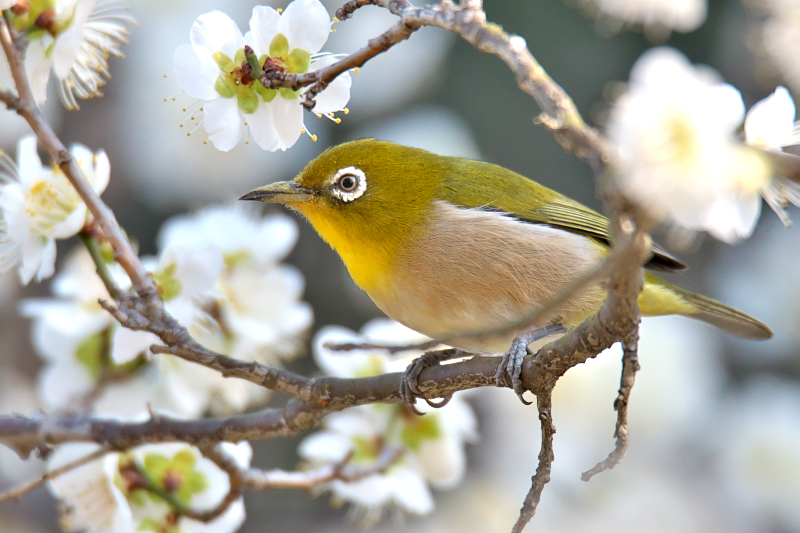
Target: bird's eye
x,y
349,183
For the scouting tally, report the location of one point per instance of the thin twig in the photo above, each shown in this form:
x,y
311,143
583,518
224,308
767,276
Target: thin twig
x,y
630,365
102,269
391,348
546,457
18,492
313,479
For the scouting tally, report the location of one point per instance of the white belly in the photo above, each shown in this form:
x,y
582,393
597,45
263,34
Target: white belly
x,y
477,269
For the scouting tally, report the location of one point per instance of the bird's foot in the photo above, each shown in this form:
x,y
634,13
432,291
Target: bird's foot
x,y
510,370
409,384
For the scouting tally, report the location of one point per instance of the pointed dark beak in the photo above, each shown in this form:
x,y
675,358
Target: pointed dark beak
x,y
280,192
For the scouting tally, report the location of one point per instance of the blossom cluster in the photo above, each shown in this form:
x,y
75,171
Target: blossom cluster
x,y
73,38
431,446
214,70
678,153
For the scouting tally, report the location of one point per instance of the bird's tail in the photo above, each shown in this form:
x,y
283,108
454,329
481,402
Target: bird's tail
x,y
662,298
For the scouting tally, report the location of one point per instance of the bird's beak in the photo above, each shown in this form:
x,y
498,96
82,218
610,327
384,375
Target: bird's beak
x,y
280,192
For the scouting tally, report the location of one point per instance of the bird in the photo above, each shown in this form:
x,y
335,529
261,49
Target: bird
x,y
447,246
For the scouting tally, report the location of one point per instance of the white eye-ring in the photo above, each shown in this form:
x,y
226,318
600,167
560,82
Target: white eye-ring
x,y
349,183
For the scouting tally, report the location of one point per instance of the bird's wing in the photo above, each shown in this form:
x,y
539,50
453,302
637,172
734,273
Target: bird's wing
x,y
485,186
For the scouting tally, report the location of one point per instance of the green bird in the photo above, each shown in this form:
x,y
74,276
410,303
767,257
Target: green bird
x,y
447,246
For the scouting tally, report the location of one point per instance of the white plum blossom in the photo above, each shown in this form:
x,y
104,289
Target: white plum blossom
x,y
37,68
39,205
250,308
677,154
432,445
107,495
770,125
78,340
213,70
74,38
679,15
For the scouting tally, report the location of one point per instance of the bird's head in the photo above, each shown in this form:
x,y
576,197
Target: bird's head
x,y
365,198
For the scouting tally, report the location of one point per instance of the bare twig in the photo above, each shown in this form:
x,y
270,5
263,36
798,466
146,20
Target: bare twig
x,y
100,264
546,457
313,479
18,492
630,365
346,347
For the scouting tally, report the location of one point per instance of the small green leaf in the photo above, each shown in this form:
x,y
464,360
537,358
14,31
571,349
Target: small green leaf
x,y
267,95
289,94
248,100
298,61
365,450
151,524
279,47
238,58
223,87
224,62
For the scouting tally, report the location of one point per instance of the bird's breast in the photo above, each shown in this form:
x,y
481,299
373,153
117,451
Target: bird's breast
x,y
474,269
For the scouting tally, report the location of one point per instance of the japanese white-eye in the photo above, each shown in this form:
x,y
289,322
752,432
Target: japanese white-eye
x,y
445,245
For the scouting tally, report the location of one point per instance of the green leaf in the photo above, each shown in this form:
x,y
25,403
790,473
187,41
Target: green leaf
x,y
248,100
267,95
224,62
238,58
168,285
298,62
279,47
223,87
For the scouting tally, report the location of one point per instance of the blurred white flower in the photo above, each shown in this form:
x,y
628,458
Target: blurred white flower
x,y
214,70
5,4
770,125
679,15
78,36
37,67
759,452
78,340
432,445
17,395
780,37
252,310
107,495
40,205
678,157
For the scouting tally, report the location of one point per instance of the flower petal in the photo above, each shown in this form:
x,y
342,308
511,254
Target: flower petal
x,y
264,26
216,31
30,166
195,72
336,94
288,117
770,122
306,24
38,66
726,105
262,126
222,120
48,260
69,43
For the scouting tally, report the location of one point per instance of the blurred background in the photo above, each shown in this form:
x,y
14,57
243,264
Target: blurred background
x,y
715,421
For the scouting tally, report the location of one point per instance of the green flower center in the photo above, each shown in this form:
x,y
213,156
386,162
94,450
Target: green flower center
x,y
236,80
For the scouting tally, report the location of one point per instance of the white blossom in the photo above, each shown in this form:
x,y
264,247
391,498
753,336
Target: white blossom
x,y
677,154
770,125
250,308
432,445
106,495
679,15
37,68
39,205
213,70
78,340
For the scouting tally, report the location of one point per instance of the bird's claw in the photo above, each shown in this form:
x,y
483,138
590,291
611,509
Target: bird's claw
x,y
409,383
509,371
